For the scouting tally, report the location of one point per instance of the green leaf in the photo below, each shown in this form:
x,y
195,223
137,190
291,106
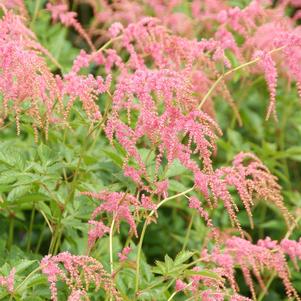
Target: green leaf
x,y
18,192
204,273
114,157
183,256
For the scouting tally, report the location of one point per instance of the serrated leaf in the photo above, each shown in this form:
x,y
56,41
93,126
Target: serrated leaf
x,y
18,192
114,157
183,256
24,264
204,273
168,263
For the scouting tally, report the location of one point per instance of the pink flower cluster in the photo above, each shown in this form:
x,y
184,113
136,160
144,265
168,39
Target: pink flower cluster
x,y
251,179
123,255
68,18
252,259
78,272
122,207
26,83
8,281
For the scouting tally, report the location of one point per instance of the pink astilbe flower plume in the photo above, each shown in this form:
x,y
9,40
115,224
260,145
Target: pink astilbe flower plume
x,y
208,288
8,281
26,84
79,273
97,230
16,5
60,12
289,247
292,248
123,255
250,178
268,65
77,295
118,204
252,259
196,204
165,131
260,182
115,29
85,88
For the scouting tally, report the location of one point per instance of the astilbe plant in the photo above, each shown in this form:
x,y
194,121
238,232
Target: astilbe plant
x,y
21,58
251,259
28,87
160,81
116,204
78,272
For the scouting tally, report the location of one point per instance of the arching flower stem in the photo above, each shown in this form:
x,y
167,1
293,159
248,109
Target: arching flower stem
x,y
146,222
221,77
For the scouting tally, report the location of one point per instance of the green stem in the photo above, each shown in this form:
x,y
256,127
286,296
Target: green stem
x,y
107,44
220,78
188,231
111,245
54,239
262,294
27,277
36,10
40,238
144,229
32,216
174,293
58,241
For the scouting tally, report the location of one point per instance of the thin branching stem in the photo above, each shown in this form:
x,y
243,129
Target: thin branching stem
x,y
146,222
111,245
175,292
221,77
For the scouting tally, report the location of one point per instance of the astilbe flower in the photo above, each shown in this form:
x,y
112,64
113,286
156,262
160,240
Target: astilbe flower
x,y
106,13
85,88
194,203
268,65
180,285
208,288
284,41
148,38
97,230
250,178
251,259
16,5
148,92
8,281
115,29
25,78
123,255
68,18
242,21
79,273
165,131
291,44
77,295
290,247
117,204
29,88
